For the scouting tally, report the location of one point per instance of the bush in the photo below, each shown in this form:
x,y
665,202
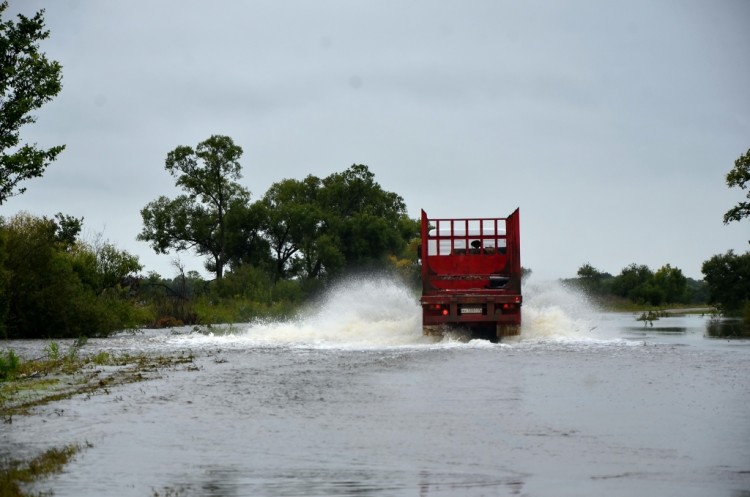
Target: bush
x,y
245,281
9,363
728,279
55,284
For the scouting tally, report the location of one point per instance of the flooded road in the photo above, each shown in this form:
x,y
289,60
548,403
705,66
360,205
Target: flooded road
x,y
352,400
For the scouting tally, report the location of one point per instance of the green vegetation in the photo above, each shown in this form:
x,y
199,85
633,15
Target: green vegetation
x,y
14,473
9,363
728,279
198,219
27,81
637,287
739,177
320,228
309,229
728,275
279,251
726,282
27,383
55,285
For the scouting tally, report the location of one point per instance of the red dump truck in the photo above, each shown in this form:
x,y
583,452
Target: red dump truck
x,y
471,276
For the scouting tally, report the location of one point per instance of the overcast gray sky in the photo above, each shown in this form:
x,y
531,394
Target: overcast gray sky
x,y
610,124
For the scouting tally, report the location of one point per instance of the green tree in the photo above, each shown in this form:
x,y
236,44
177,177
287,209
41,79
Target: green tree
x,y
589,272
317,228
636,282
246,243
365,222
67,228
595,283
4,280
292,224
113,266
739,176
728,279
28,80
671,283
197,220
590,278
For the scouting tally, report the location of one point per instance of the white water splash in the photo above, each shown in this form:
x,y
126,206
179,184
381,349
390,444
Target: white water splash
x,y
356,313
553,310
382,312
360,311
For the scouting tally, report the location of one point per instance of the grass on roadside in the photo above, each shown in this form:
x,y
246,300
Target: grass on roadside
x,y
15,475
28,383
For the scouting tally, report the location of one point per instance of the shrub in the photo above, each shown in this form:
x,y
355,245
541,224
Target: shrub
x,y
9,363
58,287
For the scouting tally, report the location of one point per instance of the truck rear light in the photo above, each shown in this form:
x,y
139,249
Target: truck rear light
x,y
437,309
508,308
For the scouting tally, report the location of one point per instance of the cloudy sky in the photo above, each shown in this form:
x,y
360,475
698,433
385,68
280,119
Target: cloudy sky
x,y
610,124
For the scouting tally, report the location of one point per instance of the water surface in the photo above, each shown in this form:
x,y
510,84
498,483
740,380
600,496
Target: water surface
x,y
352,400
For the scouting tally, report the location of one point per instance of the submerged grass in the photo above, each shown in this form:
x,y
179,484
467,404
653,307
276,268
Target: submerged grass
x,y
30,383
25,384
15,474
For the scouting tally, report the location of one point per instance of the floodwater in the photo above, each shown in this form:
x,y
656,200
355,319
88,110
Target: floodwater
x,y
352,400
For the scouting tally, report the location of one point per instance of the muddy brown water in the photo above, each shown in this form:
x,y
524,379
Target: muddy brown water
x,y
352,400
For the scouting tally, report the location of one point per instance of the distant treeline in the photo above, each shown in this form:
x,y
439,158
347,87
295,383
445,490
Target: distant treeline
x,y
639,285
726,285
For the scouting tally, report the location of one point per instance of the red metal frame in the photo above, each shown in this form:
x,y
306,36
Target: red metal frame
x,y
471,272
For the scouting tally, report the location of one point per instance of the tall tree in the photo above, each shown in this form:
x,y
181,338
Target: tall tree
x,y
590,278
739,176
197,220
728,279
367,222
317,228
292,224
672,283
246,244
636,282
28,80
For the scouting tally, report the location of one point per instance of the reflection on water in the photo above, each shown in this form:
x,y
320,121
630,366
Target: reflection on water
x,y
668,330
727,328
309,481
